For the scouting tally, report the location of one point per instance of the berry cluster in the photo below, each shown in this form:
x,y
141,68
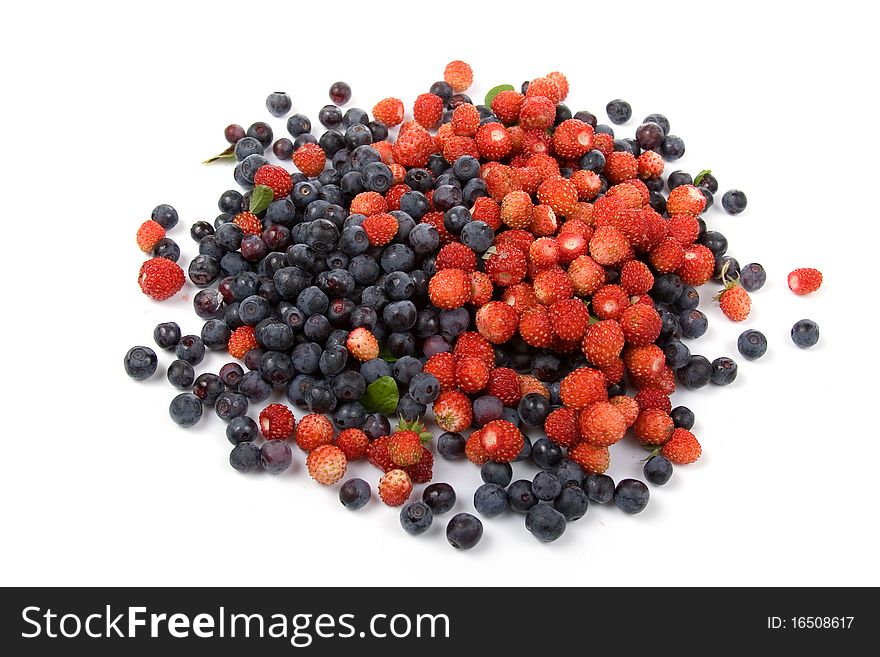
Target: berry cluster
x,y
511,265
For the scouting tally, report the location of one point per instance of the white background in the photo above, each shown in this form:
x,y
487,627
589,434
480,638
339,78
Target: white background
x,y
109,110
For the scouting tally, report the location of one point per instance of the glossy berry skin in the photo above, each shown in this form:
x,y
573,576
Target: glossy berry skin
x,y
649,136
657,470
245,457
752,277
672,148
340,93
490,500
696,374
185,409
181,374
752,344
631,496
723,371
599,488
165,215
487,408
464,531
545,523
140,363
619,111
677,353
545,453
450,446
354,494
496,473
231,405
682,417
276,456
805,333
416,518
439,497
734,201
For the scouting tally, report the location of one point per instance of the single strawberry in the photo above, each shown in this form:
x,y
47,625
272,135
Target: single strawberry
x,y
614,371
504,385
474,450
326,464
628,408
499,182
734,301
517,209
572,138
592,458
452,411
465,120
428,110
685,199
586,275
493,141
471,343
636,278
413,146
380,228
496,321
641,324
644,363
529,384
608,246
275,178
537,113
389,111
435,219
544,221
442,366
458,75
506,266
488,211
241,341
386,152
502,441
650,165
395,193
362,344
543,87
653,427
561,426
572,246
667,256
561,83
249,223
609,302
471,374
583,387
560,194
395,487
569,318
369,203
377,454
603,342
456,256
653,397
310,159
481,288
698,265
682,448
160,278
449,289
552,285
457,146
507,105
804,280
536,328
520,297
423,471
312,431
277,422
543,253
588,184
353,443
620,166
602,424
149,234
516,238
405,448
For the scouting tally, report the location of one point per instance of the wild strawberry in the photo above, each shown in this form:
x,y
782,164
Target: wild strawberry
x,y
496,321
313,431
520,297
277,422
507,266
488,211
561,83
698,265
504,385
458,75
560,194
456,146
275,178
249,223
474,450
572,138
620,166
640,324
667,256
650,165
644,363
456,256
636,278
587,183
310,159
569,318
389,111
683,228
444,132
543,253
449,289
353,443
628,408
602,424
442,366
586,275
653,426
584,386
465,120
413,146
734,301
471,374
452,411
149,234
604,143
481,289
471,343
160,278
603,342
543,87
609,302
502,441
395,487
516,209
682,448
499,182
362,344
529,384
423,471
561,426
651,397
405,448
537,113
592,458
571,246
242,340
544,221
515,237
613,371
369,203
608,246
664,381
377,454
326,464
685,199
380,228
507,105
804,280
493,140
552,285
394,194
386,152
537,144
536,328
428,110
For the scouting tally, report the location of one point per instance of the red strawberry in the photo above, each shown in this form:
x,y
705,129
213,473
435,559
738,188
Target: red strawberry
x,y
588,184
572,245
395,487
683,228
506,106
609,302
561,83
149,234
614,371
543,87
442,366
275,178
685,199
502,441
644,363
393,195
427,110
369,203
456,256
241,341
682,448
650,165
362,344
516,238
313,431
560,194
636,278
310,159
603,342
698,265
640,324
471,374
405,448
389,111
435,219
620,166
488,211
353,443
496,321
326,464
503,383
160,278
584,386
377,454
537,113
474,450
449,289
249,223
572,138
423,471
507,266
544,253
552,285
456,146
569,318
520,297
529,384
734,301
586,275
277,422
452,411
651,397
413,147
517,209
602,424
608,246
481,288
653,426
804,280
561,426
544,221
458,75
627,406
667,256
471,343
465,120
380,228
592,458
493,141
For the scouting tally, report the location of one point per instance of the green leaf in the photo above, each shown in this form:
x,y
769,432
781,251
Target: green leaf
x,y
700,175
494,91
381,396
385,355
261,198
228,154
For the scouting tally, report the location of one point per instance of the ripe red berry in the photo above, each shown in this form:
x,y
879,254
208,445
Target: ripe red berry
x,y
160,278
428,110
275,178
395,487
277,422
458,75
449,289
326,464
389,111
362,344
310,159
149,234
805,280
496,321
313,431
502,441
380,228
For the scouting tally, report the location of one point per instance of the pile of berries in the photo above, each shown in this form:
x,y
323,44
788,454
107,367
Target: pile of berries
x,y
510,266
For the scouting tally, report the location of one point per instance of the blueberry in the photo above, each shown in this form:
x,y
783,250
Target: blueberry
x,y
678,178
752,344
354,494
696,374
403,370
354,241
167,248
627,145
723,371
354,116
693,323
320,398
569,473
473,189
572,503
599,488
424,388
200,229
207,387
533,409
586,117
546,487
215,334
165,215
714,241
669,326
677,354
283,148
477,235
592,161
231,374
181,374
254,387
439,497
424,239
275,336
185,409
545,523
191,349
667,288
657,470
487,408
298,388
707,181
330,116
545,453
262,132
656,200
454,322
364,269
247,146
242,429
450,446
398,257
348,386
253,358
688,300
230,405
245,457
445,198
140,363
376,425
619,111
312,301
490,500
464,531
249,167
359,134
510,415
805,333
520,496
672,148
752,277
317,328
340,93
276,456
526,450
456,218
400,315
734,201
631,496
416,518
726,268
204,270
349,415
649,136
496,473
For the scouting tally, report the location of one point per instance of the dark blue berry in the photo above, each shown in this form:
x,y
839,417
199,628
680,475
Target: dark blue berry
x,y
714,241
242,429
723,371
520,496
464,531
231,374
726,268
340,93
546,487
649,136
376,425
165,215
298,388
568,473
708,181
354,494
450,446
678,178
191,349
185,409
545,453
631,496
599,488
490,500
456,218
283,148
572,503
805,333
354,116
405,369
533,409
348,386
330,116
693,323
672,148
181,374
696,374
487,408
416,518
454,322
245,457
682,417
752,277
667,288
276,456
619,111
424,388
657,470
204,270
752,344
207,387
545,523
200,229
477,236
262,132
660,120
254,387
592,161
496,473
140,363
734,201
439,497
349,415
167,248
247,146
